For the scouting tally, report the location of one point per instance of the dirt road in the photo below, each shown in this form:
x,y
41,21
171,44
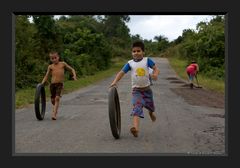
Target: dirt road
x,y
189,121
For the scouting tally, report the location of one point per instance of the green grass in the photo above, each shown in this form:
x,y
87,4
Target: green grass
x,y
180,65
25,97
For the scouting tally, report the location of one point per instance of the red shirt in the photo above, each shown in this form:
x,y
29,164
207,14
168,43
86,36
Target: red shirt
x,y
192,69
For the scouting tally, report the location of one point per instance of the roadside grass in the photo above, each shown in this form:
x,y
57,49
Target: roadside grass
x,y
180,65
25,97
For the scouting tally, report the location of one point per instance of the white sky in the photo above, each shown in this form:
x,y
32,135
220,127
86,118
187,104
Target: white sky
x,y
170,26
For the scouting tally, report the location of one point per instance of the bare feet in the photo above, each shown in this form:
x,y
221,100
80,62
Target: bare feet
x,y
54,118
152,116
134,131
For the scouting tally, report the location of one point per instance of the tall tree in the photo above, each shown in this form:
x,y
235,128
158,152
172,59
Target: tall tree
x,y
47,33
115,28
163,42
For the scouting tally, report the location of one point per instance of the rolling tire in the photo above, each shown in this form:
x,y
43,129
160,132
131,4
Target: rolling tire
x,y
114,112
40,101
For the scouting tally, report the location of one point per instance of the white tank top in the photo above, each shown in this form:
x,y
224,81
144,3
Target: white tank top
x,y
139,73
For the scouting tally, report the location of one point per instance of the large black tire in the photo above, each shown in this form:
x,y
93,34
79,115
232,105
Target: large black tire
x,y
40,101
114,112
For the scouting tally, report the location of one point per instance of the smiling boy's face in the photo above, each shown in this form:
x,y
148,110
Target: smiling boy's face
x,y
54,58
137,53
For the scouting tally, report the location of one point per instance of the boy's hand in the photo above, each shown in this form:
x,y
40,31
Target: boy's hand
x,y
154,77
45,83
74,78
113,84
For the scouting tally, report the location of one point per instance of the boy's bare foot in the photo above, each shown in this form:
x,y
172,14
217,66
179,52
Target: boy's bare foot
x,y
54,118
53,101
134,131
152,116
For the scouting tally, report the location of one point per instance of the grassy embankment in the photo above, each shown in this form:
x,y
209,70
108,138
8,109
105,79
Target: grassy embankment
x,y
179,67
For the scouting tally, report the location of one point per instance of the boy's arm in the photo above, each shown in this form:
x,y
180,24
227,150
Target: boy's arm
x,y
197,68
69,68
46,75
117,78
155,73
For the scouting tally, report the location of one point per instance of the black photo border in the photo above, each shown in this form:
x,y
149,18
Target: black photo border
x,y
7,93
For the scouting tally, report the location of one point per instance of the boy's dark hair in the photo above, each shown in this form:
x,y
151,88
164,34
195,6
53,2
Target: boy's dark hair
x,y
53,52
138,44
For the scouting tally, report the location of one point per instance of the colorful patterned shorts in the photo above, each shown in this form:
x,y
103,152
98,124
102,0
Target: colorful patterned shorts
x,y
140,99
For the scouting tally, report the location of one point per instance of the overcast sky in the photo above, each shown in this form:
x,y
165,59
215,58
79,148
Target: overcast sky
x,y
170,26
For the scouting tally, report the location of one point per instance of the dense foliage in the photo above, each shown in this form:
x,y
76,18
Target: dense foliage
x,y
88,43
206,45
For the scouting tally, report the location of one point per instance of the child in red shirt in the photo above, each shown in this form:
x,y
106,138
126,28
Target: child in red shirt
x,y
192,70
